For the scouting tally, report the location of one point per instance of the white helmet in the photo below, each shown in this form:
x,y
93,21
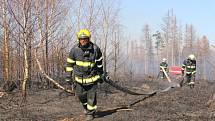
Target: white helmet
x,y
192,57
164,60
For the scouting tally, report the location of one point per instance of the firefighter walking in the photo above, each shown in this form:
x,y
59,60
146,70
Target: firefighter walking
x,y
85,70
163,65
189,70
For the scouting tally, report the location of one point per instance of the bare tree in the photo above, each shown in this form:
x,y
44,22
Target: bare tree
x,y
119,57
109,16
166,35
149,58
202,53
28,14
5,42
189,40
171,38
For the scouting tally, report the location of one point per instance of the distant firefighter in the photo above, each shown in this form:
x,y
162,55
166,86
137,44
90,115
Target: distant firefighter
x,y
189,70
163,65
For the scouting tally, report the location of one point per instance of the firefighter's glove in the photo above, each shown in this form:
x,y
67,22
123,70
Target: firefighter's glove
x,y
182,72
103,78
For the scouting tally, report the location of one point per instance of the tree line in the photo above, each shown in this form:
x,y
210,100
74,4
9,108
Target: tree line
x,y
50,26
174,42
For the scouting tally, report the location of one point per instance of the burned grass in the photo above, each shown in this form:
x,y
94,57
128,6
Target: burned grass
x,y
54,105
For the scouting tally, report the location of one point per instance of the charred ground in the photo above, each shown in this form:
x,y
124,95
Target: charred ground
x,y
183,104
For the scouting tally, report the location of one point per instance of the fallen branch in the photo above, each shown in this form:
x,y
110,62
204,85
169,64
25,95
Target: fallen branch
x,y
46,76
116,109
49,78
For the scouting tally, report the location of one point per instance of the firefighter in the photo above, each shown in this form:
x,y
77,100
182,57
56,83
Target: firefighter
x,y
163,65
189,69
85,69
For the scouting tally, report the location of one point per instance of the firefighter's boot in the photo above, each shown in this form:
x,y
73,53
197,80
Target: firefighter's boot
x,y
89,117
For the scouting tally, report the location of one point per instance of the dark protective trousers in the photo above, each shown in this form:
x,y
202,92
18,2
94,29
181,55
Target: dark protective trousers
x,y
188,78
86,95
162,73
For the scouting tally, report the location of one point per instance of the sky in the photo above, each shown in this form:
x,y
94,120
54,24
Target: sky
x,y
199,13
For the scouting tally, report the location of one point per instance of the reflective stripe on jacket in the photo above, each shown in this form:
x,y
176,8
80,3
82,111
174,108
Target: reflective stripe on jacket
x,y
189,66
86,64
87,80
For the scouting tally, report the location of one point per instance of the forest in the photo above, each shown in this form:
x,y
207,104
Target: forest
x,y
37,35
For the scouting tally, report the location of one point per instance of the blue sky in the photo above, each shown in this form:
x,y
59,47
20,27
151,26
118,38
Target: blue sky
x,y
200,13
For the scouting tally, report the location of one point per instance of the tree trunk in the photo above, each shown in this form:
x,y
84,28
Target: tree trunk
x,y
26,66
25,69
5,45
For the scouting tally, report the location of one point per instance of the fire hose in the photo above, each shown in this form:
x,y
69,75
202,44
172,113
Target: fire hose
x,y
124,89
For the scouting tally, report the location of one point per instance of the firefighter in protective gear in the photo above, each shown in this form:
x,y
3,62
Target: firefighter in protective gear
x,y
189,69
164,65
85,68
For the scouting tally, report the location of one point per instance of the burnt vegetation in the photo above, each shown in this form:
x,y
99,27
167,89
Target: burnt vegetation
x,y
35,39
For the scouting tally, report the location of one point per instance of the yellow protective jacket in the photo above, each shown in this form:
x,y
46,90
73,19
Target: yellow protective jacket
x,y
85,63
